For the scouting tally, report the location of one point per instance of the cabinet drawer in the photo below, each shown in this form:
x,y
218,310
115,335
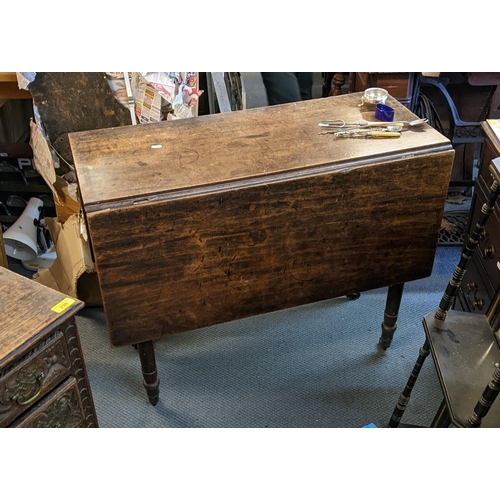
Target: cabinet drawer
x,y
488,251
24,383
475,293
489,152
61,408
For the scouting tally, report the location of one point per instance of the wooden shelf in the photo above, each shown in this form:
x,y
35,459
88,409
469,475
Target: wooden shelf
x,y
9,88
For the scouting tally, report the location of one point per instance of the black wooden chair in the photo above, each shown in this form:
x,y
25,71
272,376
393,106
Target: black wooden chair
x,y
460,132
464,347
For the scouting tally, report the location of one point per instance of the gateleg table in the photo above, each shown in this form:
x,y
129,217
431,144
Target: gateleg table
x,y
201,221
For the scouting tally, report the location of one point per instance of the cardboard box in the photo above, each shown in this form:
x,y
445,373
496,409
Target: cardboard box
x,y
73,270
66,202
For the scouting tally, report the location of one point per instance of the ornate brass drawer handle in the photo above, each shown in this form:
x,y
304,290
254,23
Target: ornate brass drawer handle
x,y
489,252
15,398
476,303
479,303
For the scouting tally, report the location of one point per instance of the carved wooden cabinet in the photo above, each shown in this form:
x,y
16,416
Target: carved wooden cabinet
x,y
43,380
481,282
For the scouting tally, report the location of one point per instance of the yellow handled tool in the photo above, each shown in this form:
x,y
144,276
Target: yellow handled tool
x,y
383,134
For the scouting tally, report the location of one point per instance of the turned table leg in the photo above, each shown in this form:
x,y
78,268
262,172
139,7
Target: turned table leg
x,y
148,364
338,81
394,296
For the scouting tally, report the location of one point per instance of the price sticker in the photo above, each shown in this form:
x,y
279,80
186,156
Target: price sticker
x,y
63,305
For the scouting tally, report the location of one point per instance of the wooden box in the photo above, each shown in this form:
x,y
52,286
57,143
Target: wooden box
x,y
43,380
206,220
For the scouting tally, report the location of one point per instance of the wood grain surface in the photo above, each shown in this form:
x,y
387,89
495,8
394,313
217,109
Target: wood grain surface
x,y
253,211
119,163
73,101
25,311
184,263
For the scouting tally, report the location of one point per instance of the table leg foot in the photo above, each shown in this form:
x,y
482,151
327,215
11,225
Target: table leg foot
x,y
148,364
394,296
353,296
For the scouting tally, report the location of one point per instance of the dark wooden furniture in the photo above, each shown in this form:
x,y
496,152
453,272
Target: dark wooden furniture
x,y
69,102
456,108
201,221
332,84
463,344
399,85
43,381
481,283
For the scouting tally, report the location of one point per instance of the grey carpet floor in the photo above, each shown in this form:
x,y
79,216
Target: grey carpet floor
x,y
314,366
